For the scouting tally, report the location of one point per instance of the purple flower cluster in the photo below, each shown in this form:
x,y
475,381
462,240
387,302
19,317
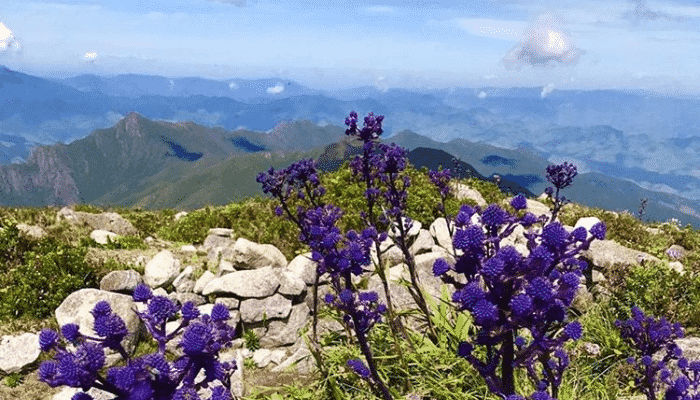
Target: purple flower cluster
x,y
649,336
507,292
150,376
561,176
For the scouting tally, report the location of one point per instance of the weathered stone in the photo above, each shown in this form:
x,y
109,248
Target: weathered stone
x,y
100,236
18,351
180,215
605,254
261,282
281,333
463,192
67,393
123,280
183,298
223,232
189,248
263,357
424,242
250,255
184,283
231,303
290,283
77,306
439,231
161,270
297,358
225,267
108,221
256,310
203,280
31,231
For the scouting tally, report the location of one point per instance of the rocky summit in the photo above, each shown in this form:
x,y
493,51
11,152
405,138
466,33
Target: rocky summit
x,y
266,293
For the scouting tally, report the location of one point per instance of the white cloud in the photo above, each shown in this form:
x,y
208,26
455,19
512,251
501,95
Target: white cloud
x,y
482,94
547,90
237,3
491,28
277,89
8,42
642,12
233,86
489,77
543,41
90,57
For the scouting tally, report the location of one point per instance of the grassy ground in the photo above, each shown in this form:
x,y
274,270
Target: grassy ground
x,y
433,371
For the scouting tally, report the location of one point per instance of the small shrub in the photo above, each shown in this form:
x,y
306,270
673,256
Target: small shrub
x,y
252,341
14,379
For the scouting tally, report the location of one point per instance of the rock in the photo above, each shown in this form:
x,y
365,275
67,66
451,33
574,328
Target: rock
x,y
180,215
67,393
304,268
203,280
161,270
605,254
223,232
117,281
18,351
183,298
188,248
301,355
108,221
77,306
413,231
281,333
439,231
256,310
463,192
31,231
263,357
184,283
424,242
290,283
100,236
257,283
249,255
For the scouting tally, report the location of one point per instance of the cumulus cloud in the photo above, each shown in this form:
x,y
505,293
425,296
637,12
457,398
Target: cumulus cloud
x,y
482,94
8,41
543,41
547,90
277,89
90,57
642,12
233,86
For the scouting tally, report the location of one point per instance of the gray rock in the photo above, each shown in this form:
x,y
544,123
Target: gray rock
x,y
161,270
604,254
203,280
463,192
223,232
18,351
258,283
250,255
424,242
303,267
281,333
77,306
290,283
116,281
255,310
100,236
184,283
31,231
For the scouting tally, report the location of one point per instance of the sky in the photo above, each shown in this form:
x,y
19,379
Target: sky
x,y
329,44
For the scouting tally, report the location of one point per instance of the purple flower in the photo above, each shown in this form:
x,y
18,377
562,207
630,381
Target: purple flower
x,y
359,368
554,236
484,312
580,234
561,176
161,309
47,339
598,230
440,267
519,202
71,332
574,330
494,216
142,293
219,312
189,311
521,305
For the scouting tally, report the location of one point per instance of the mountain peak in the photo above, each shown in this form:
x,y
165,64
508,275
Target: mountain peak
x,y
131,124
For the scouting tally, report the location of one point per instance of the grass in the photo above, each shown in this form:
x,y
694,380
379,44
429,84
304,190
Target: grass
x,y
432,372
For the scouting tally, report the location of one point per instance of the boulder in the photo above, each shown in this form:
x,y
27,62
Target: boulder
x,y
605,254
100,236
161,270
118,281
18,351
250,255
77,306
31,231
262,282
184,283
464,192
203,280
256,310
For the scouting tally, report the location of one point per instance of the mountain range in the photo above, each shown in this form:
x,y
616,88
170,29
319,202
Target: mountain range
x,y
184,166
630,136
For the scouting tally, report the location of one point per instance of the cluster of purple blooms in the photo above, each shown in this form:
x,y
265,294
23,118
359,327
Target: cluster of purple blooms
x,y
152,376
648,337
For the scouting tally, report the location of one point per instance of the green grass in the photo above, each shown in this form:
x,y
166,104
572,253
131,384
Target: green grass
x,y
35,276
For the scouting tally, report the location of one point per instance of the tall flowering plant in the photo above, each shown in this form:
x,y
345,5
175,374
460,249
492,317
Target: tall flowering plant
x,y
508,293
150,376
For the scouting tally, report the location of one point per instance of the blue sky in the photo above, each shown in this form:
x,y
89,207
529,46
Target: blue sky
x,y
562,44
